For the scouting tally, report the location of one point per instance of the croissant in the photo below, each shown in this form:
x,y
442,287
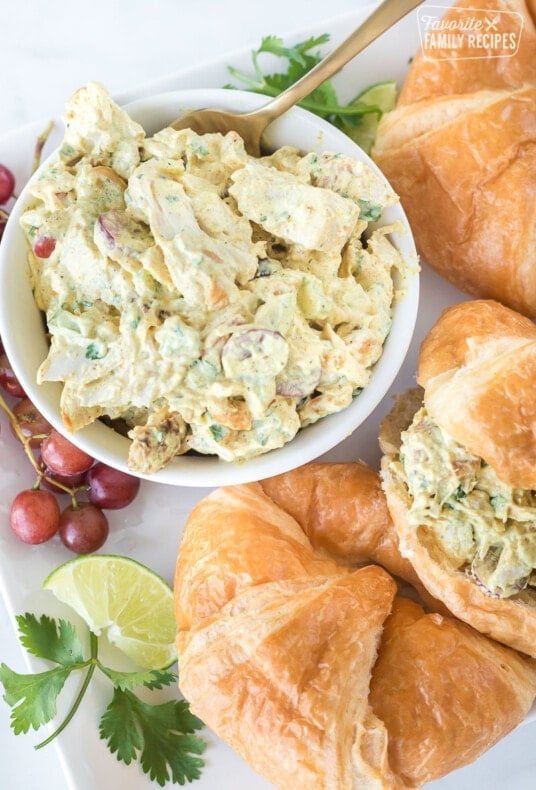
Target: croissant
x,y
342,510
460,150
320,675
459,469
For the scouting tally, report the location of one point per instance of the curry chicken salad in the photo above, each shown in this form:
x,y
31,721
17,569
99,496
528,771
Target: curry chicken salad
x,y
482,524
204,299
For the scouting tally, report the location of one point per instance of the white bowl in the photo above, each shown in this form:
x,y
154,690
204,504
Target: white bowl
x,y
24,338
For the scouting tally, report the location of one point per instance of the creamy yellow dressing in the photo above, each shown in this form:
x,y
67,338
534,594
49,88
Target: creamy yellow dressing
x,y
212,301
480,523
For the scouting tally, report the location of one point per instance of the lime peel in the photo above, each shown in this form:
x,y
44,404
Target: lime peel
x,y
383,96
124,599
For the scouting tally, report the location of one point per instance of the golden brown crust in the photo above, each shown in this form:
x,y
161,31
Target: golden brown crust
x,y
342,510
283,673
460,150
454,678
277,647
431,77
478,368
458,334
244,539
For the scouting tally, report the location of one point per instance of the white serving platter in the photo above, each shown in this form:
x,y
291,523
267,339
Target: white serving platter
x,y
150,529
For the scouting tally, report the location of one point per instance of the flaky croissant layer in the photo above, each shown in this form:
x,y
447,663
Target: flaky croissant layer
x,y
477,369
460,151
318,673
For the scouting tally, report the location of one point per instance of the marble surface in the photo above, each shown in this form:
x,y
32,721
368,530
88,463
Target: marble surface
x,y
47,51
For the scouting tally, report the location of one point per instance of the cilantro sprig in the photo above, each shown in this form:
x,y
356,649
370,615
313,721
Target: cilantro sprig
x,y
161,736
299,59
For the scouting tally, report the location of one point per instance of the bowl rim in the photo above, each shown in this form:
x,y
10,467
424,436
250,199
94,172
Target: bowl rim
x,y
197,471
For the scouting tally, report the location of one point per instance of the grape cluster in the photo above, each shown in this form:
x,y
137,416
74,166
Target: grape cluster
x,y
62,469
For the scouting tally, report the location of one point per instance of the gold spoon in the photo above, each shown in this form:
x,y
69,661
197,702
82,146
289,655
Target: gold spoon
x,y
251,125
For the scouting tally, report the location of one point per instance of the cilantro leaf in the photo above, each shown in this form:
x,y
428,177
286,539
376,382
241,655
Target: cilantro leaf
x,y
48,639
32,697
93,352
162,733
280,81
160,736
298,53
323,101
325,95
369,211
150,678
299,63
273,44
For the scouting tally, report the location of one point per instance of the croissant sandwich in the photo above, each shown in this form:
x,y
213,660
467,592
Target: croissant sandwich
x,y
459,469
316,672
460,150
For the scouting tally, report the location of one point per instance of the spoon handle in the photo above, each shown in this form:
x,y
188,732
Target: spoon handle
x,y
381,19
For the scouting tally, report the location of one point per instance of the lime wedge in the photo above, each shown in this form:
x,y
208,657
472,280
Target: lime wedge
x,y
383,96
124,599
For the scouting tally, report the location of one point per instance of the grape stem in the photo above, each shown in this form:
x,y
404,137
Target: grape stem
x,y
92,662
31,457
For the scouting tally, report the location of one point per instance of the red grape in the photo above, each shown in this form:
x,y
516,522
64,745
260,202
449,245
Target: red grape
x,y
7,184
84,528
44,246
70,481
31,422
60,455
110,488
34,515
8,380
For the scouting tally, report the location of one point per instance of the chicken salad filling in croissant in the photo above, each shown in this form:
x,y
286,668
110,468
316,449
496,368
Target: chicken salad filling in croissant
x,y
460,476
482,524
